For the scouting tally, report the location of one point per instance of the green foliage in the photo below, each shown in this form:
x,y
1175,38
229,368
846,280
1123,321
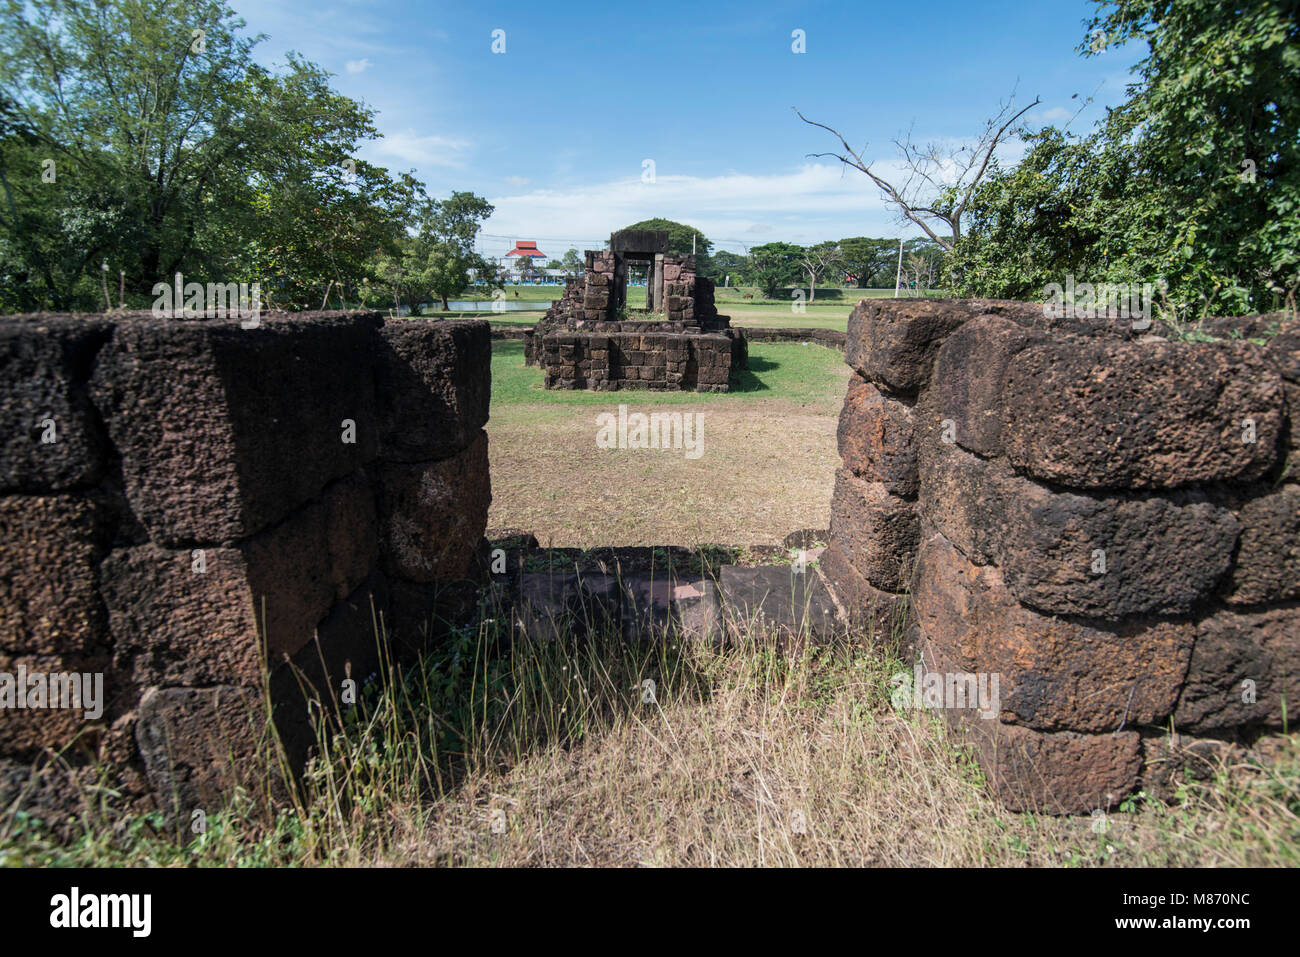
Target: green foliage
x,y
777,265
1193,183
680,237
571,262
731,264
437,261
143,134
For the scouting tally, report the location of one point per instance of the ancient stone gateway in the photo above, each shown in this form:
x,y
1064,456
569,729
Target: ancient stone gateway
x,y
588,339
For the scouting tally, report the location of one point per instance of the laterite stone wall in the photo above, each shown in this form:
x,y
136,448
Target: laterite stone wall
x,y
1106,517
186,502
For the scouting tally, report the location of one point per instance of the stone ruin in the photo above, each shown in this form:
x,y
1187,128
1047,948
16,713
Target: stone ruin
x,y
584,341
187,504
213,517
1106,518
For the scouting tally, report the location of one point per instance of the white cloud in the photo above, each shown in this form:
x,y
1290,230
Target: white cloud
x,y
357,66
415,150
812,203
1055,113
518,180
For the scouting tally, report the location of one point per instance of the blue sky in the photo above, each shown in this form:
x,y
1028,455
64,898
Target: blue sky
x,y
555,131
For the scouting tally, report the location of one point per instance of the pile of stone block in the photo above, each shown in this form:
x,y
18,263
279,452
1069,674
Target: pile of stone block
x,y
1104,515
188,504
658,361
582,343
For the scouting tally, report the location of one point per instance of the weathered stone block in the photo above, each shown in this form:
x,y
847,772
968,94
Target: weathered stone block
x,y
1242,666
1055,674
881,615
893,342
174,624
961,495
224,430
50,436
1171,760
434,382
971,367
198,744
876,438
1148,414
1268,559
1115,555
433,514
876,531
36,697
50,548
1060,772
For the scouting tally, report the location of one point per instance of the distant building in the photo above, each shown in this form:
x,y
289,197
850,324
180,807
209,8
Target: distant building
x,y
525,247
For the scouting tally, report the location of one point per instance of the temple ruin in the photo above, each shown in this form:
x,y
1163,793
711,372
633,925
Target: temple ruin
x,y
589,339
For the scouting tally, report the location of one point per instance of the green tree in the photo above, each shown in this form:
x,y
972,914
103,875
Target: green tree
x,y
571,262
680,237
440,259
871,261
1193,182
142,133
816,261
777,265
731,264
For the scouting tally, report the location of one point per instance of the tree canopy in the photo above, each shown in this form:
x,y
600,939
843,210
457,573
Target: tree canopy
x,y
1192,184
141,134
679,241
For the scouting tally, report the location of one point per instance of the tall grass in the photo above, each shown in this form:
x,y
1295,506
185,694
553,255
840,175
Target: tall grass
x,y
513,746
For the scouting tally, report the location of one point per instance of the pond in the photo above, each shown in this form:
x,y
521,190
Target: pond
x,y
500,305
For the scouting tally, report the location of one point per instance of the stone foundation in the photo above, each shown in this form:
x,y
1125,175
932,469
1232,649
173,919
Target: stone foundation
x,y
1101,516
187,505
584,341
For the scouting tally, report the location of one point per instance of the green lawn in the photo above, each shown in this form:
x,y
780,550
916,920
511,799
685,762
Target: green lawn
x,y
822,313
524,320
766,465
542,294
810,376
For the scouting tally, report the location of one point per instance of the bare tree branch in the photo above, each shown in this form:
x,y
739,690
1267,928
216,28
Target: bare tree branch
x,y
939,183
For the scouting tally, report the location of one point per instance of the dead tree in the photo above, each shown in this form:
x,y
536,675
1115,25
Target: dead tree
x,y
815,260
940,181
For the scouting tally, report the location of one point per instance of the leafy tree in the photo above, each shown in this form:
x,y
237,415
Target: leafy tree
x,y
571,263
815,261
680,237
448,231
142,133
777,265
1193,183
869,260
731,264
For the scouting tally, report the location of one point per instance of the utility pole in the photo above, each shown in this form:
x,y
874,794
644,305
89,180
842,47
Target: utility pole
x,y
898,276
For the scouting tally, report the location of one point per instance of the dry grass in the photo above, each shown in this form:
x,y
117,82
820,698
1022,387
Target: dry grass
x,y
763,474
758,754
767,468
796,759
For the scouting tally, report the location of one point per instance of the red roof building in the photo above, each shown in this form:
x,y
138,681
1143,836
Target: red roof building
x,y
524,247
